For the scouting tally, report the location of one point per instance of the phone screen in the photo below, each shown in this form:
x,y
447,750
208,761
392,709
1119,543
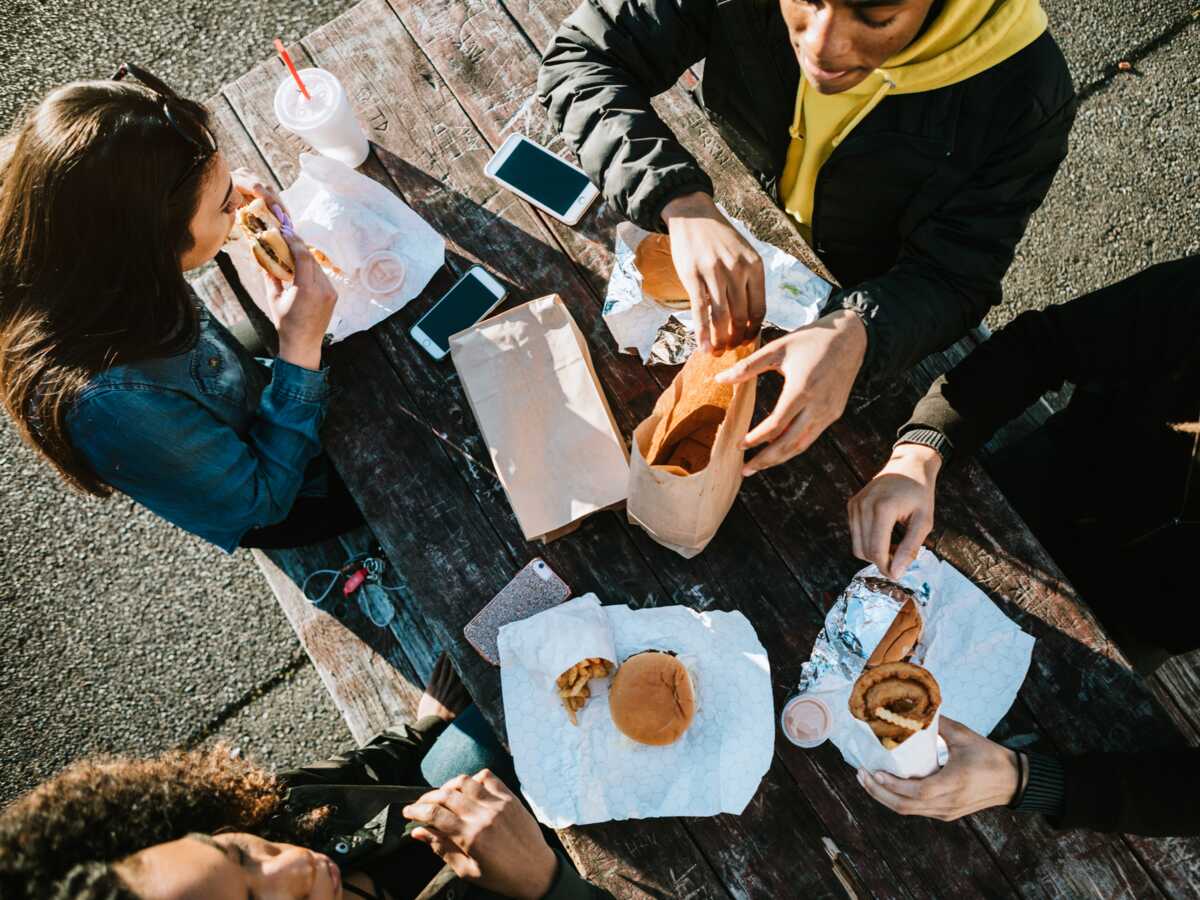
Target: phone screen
x,y
461,307
543,176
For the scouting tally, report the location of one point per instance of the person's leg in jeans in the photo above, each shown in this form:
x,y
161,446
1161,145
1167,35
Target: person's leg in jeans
x,y
312,519
466,746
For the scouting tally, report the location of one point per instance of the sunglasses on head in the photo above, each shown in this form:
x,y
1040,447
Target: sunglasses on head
x,y
195,133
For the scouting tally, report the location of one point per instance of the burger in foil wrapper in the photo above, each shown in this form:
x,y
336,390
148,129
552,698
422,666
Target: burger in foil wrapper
x,y
857,623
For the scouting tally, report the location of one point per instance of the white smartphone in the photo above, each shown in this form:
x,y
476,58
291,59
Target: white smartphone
x,y
470,299
547,181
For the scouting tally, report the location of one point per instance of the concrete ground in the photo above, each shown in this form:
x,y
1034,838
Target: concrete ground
x,y
119,633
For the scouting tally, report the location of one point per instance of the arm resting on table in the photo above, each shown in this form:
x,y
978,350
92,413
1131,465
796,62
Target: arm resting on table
x,y
1155,793
1141,328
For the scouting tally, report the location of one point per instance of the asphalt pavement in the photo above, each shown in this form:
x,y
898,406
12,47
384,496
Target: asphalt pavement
x,y
121,634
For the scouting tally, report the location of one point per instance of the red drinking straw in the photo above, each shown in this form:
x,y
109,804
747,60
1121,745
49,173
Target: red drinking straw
x,y
287,61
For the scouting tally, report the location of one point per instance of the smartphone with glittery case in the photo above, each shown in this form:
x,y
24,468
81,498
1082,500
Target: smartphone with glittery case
x,y
535,588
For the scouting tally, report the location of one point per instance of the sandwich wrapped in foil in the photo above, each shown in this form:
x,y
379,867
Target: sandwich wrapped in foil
x,y
640,324
977,654
856,624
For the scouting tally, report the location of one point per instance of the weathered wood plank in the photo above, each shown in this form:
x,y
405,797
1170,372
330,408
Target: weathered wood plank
x,y
372,689
620,850
501,53
220,299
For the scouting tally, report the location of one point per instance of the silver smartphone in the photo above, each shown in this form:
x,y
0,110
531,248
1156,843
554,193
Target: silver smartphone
x,y
547,181
535,588
470,299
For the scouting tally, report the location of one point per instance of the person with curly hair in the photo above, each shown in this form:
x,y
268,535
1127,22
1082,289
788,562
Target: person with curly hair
x,y
204,823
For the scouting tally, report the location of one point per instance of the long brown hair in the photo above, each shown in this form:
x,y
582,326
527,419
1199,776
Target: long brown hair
x,y
92,228
62,838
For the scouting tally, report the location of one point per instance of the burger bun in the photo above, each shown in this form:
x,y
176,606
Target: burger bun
x,y
651,699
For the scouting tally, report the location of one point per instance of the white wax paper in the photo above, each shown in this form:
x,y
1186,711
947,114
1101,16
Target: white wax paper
x,y
592,773
347,216
794,292
582,632
977,654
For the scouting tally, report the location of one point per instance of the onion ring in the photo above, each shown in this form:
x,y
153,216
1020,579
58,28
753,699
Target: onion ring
x,y
905,691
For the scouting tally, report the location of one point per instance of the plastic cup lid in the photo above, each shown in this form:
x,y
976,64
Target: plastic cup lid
x,y
819,712
382,272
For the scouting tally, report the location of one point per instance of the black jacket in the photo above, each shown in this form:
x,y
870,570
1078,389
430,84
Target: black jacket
x,y
367,789
1123,508
917,213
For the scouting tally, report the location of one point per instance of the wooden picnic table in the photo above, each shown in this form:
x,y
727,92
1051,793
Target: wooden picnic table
x,y
440,84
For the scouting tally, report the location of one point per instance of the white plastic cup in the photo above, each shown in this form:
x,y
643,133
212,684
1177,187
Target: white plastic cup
x,y
326,121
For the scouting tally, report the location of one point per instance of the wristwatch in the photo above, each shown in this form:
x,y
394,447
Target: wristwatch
x,y
928,437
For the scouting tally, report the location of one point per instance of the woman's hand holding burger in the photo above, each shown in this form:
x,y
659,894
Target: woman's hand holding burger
x,y
303,306
301,309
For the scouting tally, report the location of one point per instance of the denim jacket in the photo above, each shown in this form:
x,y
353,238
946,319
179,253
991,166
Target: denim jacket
x,y
212,439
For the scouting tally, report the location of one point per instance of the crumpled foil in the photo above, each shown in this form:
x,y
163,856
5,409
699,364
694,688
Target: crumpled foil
x,y
977,654
673,344
859,619
795,295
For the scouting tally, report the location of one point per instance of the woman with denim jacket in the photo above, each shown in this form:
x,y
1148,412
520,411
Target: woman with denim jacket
x,y
109,364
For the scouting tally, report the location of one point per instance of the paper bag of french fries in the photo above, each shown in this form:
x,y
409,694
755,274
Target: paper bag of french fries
x,y
686,463
575,666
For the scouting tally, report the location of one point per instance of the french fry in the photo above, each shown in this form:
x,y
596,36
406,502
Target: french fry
x,y
572,685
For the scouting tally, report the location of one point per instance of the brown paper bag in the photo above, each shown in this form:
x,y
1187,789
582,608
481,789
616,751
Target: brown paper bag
x,y
529,379
686,463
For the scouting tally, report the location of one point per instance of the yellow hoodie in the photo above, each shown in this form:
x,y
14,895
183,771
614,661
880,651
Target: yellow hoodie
x,y
967,37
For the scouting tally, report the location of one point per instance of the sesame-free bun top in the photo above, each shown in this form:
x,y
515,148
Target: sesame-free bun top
x,y
651,699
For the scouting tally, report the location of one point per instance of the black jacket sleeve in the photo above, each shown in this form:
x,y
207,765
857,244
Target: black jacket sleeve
x,y
1142,328
1153,793
391,758
951,265
597,77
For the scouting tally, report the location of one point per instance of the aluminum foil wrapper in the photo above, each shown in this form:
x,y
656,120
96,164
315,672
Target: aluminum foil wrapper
x,y
853,628
977,654
795,295
673,344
